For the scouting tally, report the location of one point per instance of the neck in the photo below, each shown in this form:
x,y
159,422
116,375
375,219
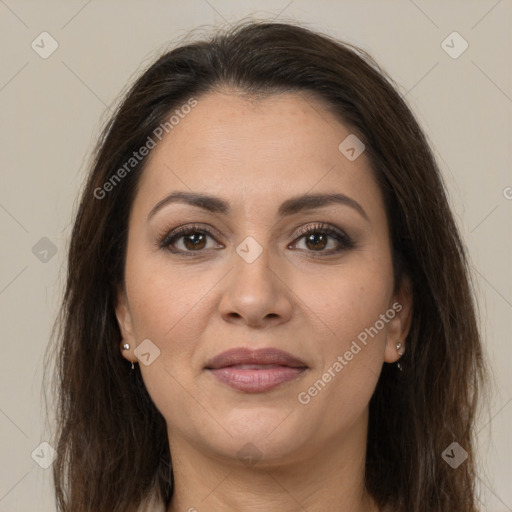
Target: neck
x,y
316,480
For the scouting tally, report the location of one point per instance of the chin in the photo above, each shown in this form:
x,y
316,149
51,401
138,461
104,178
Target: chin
x,y
265,436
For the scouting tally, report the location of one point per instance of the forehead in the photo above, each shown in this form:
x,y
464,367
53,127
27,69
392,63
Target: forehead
x,y
256,151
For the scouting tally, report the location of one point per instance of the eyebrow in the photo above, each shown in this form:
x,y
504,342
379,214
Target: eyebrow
x,y
292,206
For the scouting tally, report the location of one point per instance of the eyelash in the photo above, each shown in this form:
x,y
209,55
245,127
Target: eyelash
x,y
166,239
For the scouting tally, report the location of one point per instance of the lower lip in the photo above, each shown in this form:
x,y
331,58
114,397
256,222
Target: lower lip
x,y
256,381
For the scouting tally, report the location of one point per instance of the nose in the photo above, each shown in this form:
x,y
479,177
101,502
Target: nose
x,y
256,292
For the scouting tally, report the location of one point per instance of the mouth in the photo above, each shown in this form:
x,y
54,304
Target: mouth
x,y
255,371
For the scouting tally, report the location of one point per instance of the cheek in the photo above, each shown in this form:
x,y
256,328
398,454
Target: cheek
x,y
171,313
340,388
346,300
350,306
168,309
161,294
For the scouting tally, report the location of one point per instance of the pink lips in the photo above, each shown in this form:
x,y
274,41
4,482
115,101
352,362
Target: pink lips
x,y
255,371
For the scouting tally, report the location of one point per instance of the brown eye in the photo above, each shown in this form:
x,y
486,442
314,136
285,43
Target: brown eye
x,y
188,239
317,239
194,240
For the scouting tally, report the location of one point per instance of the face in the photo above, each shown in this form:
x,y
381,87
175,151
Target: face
x,y
262,269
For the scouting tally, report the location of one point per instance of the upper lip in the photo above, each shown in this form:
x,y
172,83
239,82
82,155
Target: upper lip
x,y
263,356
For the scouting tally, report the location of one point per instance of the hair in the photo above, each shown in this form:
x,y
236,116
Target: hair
x,y
112,444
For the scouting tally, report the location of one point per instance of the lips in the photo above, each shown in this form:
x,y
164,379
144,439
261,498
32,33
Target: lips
x,y
255,371
262,356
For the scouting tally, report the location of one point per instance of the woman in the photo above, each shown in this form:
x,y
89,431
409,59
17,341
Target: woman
x,y
268,304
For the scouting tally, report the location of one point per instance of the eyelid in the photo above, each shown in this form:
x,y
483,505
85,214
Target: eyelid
x,y
316,226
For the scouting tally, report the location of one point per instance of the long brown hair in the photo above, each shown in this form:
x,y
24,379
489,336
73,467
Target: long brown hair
x,y
112,443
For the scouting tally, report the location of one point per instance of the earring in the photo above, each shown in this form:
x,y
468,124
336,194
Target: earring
x,y
126,346
398,347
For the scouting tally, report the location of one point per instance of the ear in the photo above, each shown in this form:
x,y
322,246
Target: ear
x,y
125,322
399,325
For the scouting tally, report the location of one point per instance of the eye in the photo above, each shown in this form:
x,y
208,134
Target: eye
x,y
191,239
317,238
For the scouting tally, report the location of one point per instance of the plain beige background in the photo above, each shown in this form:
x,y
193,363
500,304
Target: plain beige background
x,y
52,110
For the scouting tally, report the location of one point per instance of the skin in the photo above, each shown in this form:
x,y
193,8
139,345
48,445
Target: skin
x,y
255,154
